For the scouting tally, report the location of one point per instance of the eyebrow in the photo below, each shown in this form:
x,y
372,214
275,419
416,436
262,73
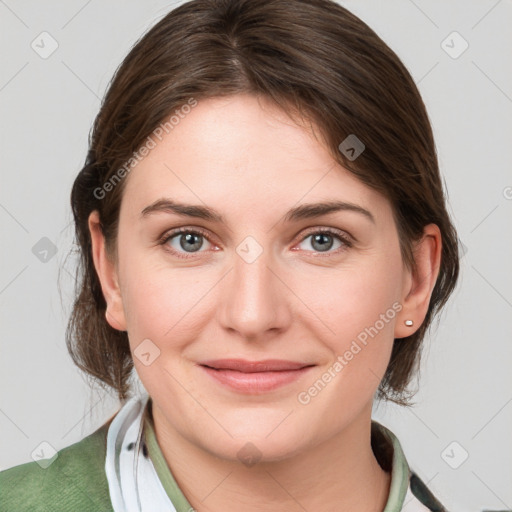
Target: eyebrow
x,y
304,211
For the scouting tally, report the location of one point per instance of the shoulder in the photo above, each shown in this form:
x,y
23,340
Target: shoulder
x,y
75,480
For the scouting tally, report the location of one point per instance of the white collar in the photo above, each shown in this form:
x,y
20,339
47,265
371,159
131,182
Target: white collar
x,y
133,483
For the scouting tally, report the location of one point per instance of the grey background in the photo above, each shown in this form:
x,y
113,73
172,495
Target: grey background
x,y
47,107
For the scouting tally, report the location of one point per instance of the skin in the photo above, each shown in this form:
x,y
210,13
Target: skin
x,y
246,159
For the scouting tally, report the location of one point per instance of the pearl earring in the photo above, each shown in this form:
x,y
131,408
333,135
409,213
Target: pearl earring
x,y
409,323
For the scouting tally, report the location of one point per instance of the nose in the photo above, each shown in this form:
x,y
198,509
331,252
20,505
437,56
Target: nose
x,y
254,297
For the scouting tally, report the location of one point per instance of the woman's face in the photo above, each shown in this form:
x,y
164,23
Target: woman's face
x,y
253,280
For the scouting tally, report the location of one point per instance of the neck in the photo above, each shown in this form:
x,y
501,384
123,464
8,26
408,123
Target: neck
x,y
339,474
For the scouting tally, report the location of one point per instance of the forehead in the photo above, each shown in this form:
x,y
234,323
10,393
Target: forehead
x,y
242,152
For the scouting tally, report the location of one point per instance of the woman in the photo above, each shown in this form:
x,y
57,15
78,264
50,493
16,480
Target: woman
x,y
264,238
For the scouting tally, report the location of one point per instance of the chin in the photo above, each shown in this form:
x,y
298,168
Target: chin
x,y
256,445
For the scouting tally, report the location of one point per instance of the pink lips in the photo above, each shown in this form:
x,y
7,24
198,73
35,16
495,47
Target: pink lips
x,y
254,376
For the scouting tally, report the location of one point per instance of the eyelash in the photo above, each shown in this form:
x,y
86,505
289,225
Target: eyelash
x,y
347,243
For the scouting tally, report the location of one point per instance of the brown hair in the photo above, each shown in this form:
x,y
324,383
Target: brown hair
x,y
310,57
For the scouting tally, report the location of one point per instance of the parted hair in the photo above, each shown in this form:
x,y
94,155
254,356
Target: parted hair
x,y
320,64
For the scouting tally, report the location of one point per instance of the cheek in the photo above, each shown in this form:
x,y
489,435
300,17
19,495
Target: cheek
x,y
354,297
357,308
158,302
353,324
168,306
159,307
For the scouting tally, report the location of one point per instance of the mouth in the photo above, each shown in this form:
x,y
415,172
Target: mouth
x,y
254,377
241,365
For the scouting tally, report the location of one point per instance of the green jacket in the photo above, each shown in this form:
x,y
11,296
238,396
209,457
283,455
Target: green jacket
x,y
76,480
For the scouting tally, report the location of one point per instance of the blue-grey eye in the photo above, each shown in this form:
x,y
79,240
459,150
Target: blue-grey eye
x,y
189,241
324,241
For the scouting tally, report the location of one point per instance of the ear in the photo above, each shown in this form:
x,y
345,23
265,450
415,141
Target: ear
x,y
419,282
107,274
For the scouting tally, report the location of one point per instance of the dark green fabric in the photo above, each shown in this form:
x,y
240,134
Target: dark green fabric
x,y
423,493
65,485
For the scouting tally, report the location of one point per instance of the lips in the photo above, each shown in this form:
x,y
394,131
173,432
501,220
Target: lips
x,y
241,365
254,377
